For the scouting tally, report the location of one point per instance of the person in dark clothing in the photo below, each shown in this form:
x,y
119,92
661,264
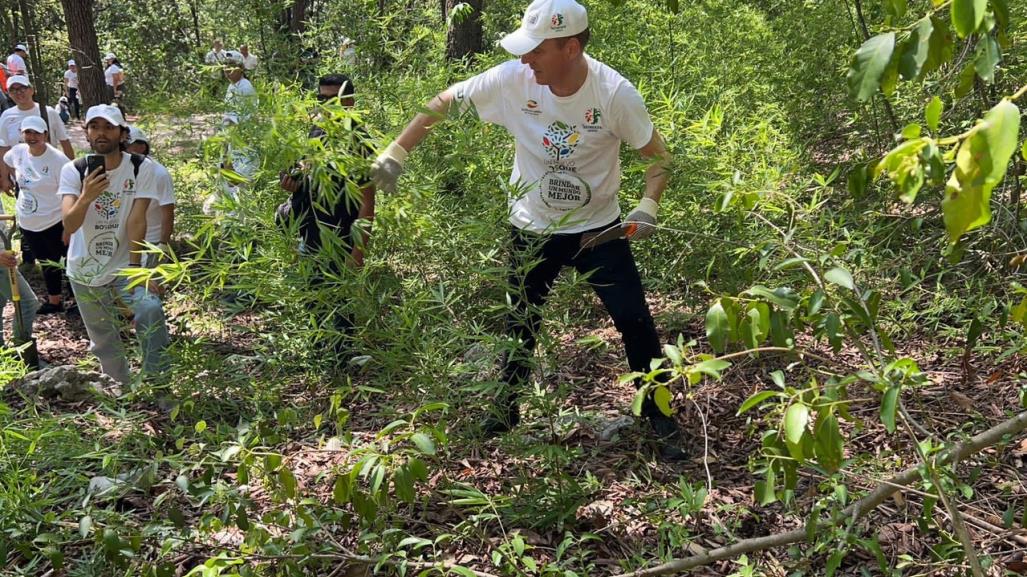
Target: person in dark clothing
x,y
338,204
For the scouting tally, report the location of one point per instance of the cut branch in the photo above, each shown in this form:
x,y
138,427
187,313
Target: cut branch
x,y
859,509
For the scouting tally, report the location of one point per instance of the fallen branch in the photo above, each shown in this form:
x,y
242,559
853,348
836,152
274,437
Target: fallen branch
x,y
859,509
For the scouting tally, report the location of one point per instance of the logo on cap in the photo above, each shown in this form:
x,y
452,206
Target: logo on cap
x,y
533,19
557,21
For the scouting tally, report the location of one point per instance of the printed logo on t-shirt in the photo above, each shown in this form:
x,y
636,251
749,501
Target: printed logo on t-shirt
x,y
27,203
562,189
593,120
107,205
531,108
560,140
104,245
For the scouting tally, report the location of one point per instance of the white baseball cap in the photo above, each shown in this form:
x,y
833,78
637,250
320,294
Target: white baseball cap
x,y
137,135
545,19
18,79
233,57
109,56
33,123
107,112
21,47
71,63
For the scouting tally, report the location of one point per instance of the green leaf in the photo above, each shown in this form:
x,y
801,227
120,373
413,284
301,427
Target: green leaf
x,y
404,485
828,443
424,443
980,165
932,114
840,277
766,491
1023,150
717,327
288,482
756,400
941,47
341,490
965,80
796,419
710,367
661,397
987,58
911,131
916,50
1001,10
833,562
967,15
856,181
889,404
868,66
783,297
896,8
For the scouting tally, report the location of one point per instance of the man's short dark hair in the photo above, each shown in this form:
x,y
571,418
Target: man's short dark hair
x,y
582,38
341,80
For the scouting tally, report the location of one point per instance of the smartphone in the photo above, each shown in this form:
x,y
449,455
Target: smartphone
x,y
95,162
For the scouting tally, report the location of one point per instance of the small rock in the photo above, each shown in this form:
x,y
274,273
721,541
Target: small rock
x,y
67,383
100,484
610,429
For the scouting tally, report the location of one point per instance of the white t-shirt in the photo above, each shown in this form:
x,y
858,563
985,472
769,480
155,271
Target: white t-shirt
x,y
165,196
567,156
214,57
99,248
10,125
38,206
249,62
240,101
72,78
16,65
108,74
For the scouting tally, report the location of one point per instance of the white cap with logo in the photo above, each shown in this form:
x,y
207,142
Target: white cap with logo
x,y
21,47
545,19
137,135
18,79
71,63
34,123
107,112
109,56
233,57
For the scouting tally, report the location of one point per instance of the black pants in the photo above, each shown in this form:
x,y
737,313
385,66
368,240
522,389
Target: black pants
x,y
49,248
535,263
73,101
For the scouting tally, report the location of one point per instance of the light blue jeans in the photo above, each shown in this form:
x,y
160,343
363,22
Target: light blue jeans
x,y
107,309
29,304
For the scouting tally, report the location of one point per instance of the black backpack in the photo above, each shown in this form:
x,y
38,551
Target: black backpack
x,y
137,161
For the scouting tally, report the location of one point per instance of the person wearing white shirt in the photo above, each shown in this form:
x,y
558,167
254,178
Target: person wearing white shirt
x,y
104,210
71,89
216,55
568,114
249,60
16,61
37,169
241,103
21,91
114,77
160,217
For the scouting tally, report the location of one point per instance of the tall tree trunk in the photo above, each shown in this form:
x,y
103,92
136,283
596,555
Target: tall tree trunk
x,y
196,24
85,50
39,80
465,37
299,17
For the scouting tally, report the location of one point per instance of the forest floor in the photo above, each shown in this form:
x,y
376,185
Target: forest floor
x,y
622,494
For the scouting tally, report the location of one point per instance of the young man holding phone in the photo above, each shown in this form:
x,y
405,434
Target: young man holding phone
x,y
104,208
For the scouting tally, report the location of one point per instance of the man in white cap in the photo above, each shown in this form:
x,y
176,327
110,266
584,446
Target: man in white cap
x,y
16,61
568,114
21,91
241,103
114,77
160,217
71,89
105,213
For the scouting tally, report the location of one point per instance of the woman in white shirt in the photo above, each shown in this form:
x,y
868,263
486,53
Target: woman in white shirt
x,y
37,171
114,75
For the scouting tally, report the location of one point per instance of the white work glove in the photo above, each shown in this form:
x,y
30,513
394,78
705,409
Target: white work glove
x,y
385,169
641,223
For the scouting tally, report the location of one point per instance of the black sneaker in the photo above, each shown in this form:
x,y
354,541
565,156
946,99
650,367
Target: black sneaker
x,y
49,308
500,421
669,441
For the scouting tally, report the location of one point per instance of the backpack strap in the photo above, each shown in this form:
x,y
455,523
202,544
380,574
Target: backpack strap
x,y
137,161
80,166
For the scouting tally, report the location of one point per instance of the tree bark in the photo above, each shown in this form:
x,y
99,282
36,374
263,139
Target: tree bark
x,y
36,72
465,36
85,50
